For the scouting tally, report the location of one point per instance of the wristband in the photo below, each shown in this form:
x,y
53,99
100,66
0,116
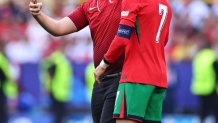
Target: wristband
x,y
103,64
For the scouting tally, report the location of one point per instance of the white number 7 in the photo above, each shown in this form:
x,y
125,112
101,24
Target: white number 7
x,y
163,10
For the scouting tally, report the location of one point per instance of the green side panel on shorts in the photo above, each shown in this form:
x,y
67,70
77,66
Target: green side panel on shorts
x,y
142,101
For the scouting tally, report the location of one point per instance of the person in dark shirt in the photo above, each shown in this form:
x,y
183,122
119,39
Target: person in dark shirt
x,y
102,16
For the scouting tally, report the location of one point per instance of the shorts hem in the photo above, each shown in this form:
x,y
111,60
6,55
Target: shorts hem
x,y
129,117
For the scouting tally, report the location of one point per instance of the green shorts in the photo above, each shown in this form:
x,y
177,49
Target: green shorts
x,y
139,102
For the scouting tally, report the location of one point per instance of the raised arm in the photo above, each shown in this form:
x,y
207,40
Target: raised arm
x,y
126,26
54,27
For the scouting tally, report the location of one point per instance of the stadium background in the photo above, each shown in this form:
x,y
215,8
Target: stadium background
x,y
195,22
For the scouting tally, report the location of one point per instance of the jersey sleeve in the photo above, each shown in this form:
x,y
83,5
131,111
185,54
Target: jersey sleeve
x,y
116,49
129,12
78,17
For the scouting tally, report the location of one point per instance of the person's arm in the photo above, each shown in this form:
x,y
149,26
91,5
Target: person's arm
x,y
115,50
118,45
54,27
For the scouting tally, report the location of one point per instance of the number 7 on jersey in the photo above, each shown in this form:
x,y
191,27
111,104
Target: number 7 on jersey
x,y
163,10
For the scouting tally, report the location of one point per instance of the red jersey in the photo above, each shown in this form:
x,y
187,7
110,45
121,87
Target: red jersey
x,y
103,17
144,50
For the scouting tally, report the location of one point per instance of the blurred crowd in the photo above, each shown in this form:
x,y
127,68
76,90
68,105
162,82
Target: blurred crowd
x,y
194,24
194,27
21,32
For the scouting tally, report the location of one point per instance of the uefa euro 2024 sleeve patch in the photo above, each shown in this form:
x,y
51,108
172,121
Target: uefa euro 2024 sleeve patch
x,y
124,31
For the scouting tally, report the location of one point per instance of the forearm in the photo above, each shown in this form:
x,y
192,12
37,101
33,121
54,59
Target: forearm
x,y
119,43
116,49
54,27
49,24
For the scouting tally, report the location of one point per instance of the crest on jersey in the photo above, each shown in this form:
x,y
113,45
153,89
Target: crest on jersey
x,y
124,13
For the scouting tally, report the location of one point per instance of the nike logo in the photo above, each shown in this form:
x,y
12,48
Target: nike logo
x,y
92,8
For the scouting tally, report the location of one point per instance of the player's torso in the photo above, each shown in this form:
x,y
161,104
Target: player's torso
x,y
145,60
104,17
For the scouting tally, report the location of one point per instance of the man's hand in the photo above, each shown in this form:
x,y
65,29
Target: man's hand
x,y
35,7
98,72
